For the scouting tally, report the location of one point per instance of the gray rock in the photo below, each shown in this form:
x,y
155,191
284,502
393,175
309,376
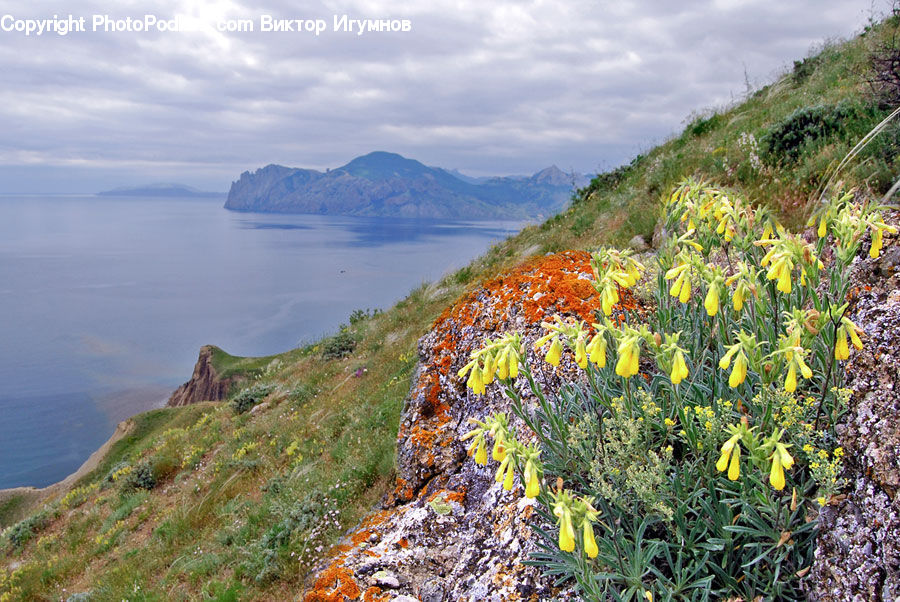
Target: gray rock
x,y
660,236
386,579
638,243
858,550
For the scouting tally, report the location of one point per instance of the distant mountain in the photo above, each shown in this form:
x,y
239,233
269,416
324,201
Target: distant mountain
x,y
161,191
389,185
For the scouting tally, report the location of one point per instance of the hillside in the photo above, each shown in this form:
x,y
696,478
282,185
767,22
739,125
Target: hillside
x,y
384,184
246,499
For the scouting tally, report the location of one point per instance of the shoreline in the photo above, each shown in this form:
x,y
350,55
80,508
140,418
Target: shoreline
x,y
123,427
41,493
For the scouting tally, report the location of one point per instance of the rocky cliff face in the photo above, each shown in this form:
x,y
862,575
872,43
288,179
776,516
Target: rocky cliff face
x,y
858,554
387,185
204,385
448,531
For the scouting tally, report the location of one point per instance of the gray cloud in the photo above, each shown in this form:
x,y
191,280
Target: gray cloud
x,y
494,87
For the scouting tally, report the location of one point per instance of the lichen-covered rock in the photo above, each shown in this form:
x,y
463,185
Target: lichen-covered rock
x,y
858,551
448,530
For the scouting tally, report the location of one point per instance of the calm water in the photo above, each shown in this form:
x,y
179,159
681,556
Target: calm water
x,y
104,303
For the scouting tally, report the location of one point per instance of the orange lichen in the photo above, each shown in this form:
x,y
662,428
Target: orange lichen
x,y
373,520
335,584
403,490
403,542
450,495
373,594
538,288
361,536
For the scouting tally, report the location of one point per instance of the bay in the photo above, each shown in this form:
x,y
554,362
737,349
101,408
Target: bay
x,y
104,302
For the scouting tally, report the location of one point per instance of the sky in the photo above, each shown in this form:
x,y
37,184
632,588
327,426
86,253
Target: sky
x,y
489,87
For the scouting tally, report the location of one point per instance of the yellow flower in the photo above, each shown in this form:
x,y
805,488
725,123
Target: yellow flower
x,y
554,353
854,331
580,353
609,296
790,382
498,453
487,370
711,303
478,447
510,474
629,357
739,372
776,476
877,244
731,450
679,368
841,349
823,228
734,467
566,531
503,364
597,350
532,481
590,544
738,299
513,364
475,381
681,288
781,461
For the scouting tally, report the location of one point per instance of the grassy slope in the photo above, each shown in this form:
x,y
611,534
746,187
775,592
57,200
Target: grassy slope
x,y
246,503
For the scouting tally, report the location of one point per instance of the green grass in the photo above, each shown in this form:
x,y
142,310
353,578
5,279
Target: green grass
x,y
263,495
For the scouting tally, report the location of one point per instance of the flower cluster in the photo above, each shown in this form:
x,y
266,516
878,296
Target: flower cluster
x,y
500,358
508,451
614,269
570,511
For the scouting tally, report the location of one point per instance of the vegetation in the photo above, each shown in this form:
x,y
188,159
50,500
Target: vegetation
x,y
243,504
705,473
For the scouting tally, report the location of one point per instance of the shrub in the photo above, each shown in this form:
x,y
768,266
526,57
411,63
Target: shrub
x,y
141,477
20,533
361,315
804,69
704,475
703,125
249,397
786,139
340,345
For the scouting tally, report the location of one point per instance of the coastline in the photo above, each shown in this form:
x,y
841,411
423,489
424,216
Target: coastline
x,y
38,494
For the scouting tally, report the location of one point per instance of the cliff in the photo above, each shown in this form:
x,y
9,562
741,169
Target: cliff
x,y
388,185
205,383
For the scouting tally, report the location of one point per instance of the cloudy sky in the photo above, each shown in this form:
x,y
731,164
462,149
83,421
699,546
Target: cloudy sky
x,y
489,87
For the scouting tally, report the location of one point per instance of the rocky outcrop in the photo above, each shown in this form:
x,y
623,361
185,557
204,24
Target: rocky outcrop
x,y
448,531
858,551
205,384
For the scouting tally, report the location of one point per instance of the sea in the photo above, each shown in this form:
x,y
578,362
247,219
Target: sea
x,y
105,302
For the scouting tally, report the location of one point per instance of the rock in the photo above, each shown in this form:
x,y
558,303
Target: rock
x,y
404,599
386,579
660,235
858,550
259,407
638,243
449,531
889,263
205,384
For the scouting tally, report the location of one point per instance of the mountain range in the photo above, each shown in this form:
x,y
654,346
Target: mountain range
x,y
382,184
